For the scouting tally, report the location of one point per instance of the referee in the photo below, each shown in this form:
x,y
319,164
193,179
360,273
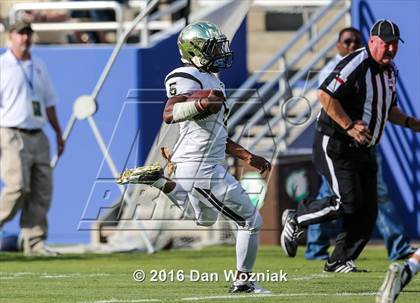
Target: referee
x,y
357,98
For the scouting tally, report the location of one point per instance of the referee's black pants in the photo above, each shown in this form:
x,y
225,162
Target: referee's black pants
x,y
351,173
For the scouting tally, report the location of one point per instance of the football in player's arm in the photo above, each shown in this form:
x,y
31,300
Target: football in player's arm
x,y
201,104
196,105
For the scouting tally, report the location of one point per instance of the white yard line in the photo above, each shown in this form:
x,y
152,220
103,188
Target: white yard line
x,y
72,275
55,276
237,297
123,301
311,277
17,274
49,275
233,297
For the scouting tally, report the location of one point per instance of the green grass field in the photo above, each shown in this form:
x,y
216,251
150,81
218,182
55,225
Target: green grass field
x,y
109,278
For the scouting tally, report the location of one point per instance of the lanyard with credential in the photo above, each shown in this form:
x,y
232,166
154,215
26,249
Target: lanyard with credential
x,y
28,78
36,105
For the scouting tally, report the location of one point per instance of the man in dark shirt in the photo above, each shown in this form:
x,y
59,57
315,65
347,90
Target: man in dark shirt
x,y
357,98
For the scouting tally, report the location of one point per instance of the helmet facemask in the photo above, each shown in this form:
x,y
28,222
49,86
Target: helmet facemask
x,y
216,54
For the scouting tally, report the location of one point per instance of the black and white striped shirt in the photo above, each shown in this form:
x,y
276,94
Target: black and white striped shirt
x,y
365,90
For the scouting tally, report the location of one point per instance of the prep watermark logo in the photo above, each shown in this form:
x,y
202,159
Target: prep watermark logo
x,y
194,275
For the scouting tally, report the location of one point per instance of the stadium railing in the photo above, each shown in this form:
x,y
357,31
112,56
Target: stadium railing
x,y
72,6
290,58
151,23
278,3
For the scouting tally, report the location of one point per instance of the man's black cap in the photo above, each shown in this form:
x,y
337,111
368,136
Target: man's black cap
x,y
20,26
386,30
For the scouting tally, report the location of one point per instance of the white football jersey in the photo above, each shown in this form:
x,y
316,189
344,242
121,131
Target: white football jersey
x,y
205,140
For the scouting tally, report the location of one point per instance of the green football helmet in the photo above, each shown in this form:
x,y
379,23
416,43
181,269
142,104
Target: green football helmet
x,y
203,45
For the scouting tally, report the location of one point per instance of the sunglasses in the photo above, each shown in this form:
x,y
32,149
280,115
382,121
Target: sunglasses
x,y
350,41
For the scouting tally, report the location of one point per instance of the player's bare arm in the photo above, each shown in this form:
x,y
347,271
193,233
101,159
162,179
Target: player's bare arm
x,y
187,107
238,151
358,129
396,116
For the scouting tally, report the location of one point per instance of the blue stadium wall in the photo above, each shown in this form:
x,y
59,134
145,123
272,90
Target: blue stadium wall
x,y
129,116
400,147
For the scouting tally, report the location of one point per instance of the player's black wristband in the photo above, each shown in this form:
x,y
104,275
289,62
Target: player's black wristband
x,y
407,122
350,126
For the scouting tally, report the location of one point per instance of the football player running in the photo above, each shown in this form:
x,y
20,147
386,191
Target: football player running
x,y
201,149
397,277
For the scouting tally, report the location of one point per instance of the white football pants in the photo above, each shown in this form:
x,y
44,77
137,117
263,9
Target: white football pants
x,y
211,191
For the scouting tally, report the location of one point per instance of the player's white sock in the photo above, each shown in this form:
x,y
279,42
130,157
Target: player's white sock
x,y
246,250
414,264
247,242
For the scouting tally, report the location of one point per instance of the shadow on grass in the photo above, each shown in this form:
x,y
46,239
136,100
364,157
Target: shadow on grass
x,y
411,291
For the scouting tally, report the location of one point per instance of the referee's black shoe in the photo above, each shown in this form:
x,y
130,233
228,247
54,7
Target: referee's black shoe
x,y
342,267
290,234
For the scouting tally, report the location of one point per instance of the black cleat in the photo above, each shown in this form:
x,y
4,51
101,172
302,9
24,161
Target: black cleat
x,y
407,254
342,267
248,287
290,234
